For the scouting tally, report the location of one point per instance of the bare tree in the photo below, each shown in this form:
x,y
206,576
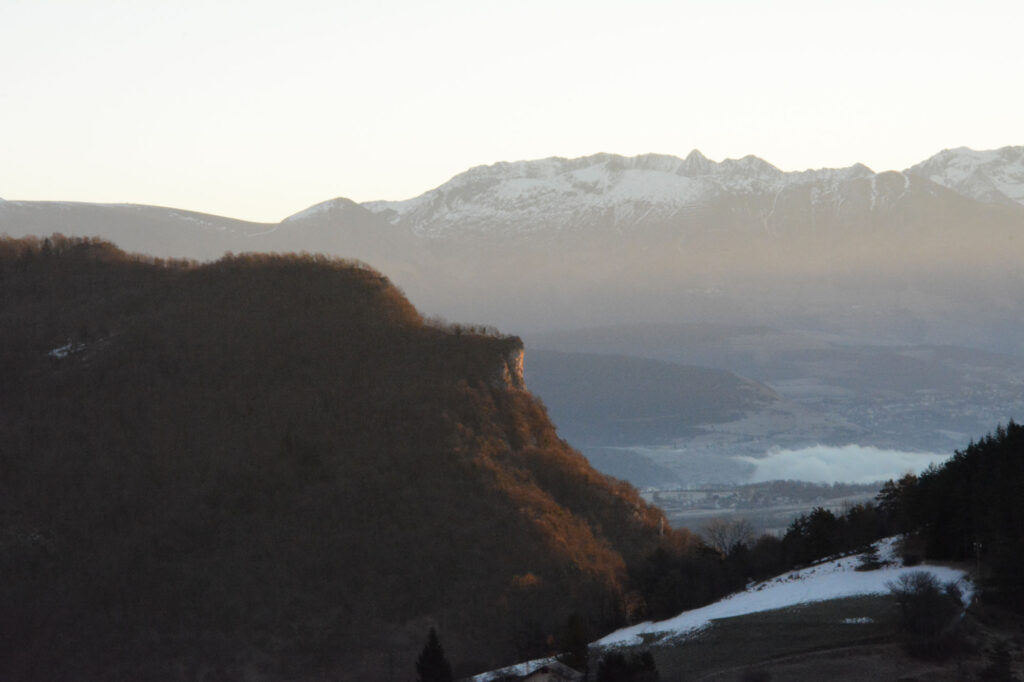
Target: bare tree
x,y
726,535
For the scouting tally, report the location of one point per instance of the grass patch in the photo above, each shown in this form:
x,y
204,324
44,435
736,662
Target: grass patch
x,y
754,638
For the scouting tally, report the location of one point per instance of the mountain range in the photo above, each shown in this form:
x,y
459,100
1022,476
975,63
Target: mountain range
x,y
628,193
603,190
607,239
775,272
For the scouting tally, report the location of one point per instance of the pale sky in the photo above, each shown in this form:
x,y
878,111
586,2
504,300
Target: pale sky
x,y
258,109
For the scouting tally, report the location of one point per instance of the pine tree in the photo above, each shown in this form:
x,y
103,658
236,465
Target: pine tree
x,y
575,642
870,560
432,666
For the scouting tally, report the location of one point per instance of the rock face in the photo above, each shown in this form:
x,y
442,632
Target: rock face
x,y
512,373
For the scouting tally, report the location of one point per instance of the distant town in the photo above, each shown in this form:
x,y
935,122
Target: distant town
x,y
768,507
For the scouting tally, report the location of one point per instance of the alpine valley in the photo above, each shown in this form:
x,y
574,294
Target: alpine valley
x,y
286,465
839,306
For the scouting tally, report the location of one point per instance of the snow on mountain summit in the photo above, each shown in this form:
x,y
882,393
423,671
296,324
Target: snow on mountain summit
x,y
994,176
618,192
338,205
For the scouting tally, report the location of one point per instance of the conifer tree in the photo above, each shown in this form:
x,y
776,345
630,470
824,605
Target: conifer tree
x,y
575,642
870,559
432,666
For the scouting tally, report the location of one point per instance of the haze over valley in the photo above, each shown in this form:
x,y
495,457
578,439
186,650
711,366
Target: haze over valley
x,y
598,341
684,317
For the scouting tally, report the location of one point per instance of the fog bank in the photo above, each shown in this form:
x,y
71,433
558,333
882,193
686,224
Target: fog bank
x,y
847,464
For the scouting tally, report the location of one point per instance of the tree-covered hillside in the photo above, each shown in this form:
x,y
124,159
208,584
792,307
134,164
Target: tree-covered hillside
x,y
971,508
273,464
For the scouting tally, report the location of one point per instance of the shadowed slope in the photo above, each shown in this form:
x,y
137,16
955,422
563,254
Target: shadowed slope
x,y
272,463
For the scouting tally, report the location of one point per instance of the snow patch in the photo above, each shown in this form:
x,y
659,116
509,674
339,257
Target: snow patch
x,y
823,582
518,670
993,176
331,205
70,348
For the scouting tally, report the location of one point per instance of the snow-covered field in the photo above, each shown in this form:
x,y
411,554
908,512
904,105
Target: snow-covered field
x,y
822,582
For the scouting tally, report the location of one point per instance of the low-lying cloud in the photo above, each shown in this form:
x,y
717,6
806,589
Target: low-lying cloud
x,y
845,464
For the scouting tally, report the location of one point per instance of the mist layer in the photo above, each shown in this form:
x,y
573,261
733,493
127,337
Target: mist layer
x,y
831,464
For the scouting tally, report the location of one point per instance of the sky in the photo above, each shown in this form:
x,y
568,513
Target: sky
x,y
259,109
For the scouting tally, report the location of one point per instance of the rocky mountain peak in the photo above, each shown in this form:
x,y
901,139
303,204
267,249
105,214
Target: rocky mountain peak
x,y
696,163
993,176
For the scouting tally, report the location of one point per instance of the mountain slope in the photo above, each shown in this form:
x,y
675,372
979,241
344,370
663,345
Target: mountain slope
x,y
609,192
163,232
612,240
272,464
994,176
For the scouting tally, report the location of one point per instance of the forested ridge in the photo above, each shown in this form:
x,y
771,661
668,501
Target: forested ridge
x,y
273,463
971,509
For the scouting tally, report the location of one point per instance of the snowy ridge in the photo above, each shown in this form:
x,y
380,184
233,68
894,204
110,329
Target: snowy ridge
x,y
822,582
620,192
994,176
336,205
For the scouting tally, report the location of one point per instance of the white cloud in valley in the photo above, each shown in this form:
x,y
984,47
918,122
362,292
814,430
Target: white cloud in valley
x,y
830,464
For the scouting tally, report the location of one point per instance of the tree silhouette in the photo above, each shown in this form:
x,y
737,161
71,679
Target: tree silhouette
x,y
432,666
727,535
575,642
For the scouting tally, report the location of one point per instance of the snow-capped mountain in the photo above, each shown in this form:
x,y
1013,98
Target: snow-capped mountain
x,y
604,239
609,192
995,176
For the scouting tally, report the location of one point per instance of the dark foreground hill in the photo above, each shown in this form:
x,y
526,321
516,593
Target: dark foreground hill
x,y
271,466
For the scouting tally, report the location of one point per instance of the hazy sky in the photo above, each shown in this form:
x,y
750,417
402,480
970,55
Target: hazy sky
x,y
258,109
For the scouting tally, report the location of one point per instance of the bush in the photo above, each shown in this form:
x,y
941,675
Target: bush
x,y
1000,667
929,613
617,667
869,560
912,559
